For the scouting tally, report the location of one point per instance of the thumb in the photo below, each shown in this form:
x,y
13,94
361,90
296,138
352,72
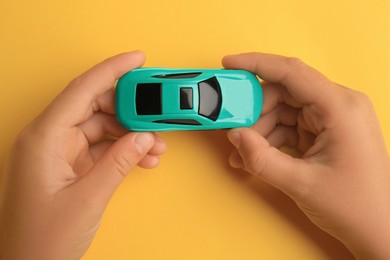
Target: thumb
x,y
281,170
100,183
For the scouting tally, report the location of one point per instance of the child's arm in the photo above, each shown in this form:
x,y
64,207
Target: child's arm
x,y
63,171
342,180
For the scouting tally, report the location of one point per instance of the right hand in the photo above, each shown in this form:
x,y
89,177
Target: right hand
x,y
342,180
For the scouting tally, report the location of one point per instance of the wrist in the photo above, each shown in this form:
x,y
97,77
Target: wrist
x,y
369,239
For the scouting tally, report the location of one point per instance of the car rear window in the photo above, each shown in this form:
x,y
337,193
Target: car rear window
x,y
210,99
148,99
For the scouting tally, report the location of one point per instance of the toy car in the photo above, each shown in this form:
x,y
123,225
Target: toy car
x,y
160,99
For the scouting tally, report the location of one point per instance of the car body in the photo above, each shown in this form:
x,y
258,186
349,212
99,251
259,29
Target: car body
x,y
161,99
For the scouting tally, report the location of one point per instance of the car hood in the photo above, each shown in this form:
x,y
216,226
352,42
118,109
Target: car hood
x,y
241,99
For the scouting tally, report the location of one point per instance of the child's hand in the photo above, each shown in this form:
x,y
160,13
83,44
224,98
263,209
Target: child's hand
x,y
65,167
342,180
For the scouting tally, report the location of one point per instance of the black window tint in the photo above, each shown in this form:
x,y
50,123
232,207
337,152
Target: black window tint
x,y
186,98
178,75
210,99
148,99
178,121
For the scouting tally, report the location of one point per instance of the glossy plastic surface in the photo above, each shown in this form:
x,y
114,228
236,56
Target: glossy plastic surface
x,y
160,99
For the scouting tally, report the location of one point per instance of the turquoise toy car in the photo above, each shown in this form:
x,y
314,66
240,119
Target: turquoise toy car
x,y
161,99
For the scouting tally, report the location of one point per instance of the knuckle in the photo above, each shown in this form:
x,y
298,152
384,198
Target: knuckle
x,y
294,62
362,99
22,138
29,136
357,101
76,81
23,135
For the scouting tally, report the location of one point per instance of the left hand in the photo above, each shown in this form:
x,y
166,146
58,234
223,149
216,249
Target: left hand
x,y
67,164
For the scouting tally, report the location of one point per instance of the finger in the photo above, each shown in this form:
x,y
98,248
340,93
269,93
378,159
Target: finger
x,y
305,84
149,162
306,139
235,160
280,115
160,146
272,96
79,100
99,184
283,135
106,102
101,124
275,94
97,150
273,166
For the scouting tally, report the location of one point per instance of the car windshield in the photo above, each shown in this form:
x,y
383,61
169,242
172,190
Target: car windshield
x,y
210,99
148,99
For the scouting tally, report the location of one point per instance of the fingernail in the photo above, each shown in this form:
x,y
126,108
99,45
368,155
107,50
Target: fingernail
x,y
143,142
235,138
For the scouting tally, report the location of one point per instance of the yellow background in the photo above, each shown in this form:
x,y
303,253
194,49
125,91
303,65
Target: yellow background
x,y
194,206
